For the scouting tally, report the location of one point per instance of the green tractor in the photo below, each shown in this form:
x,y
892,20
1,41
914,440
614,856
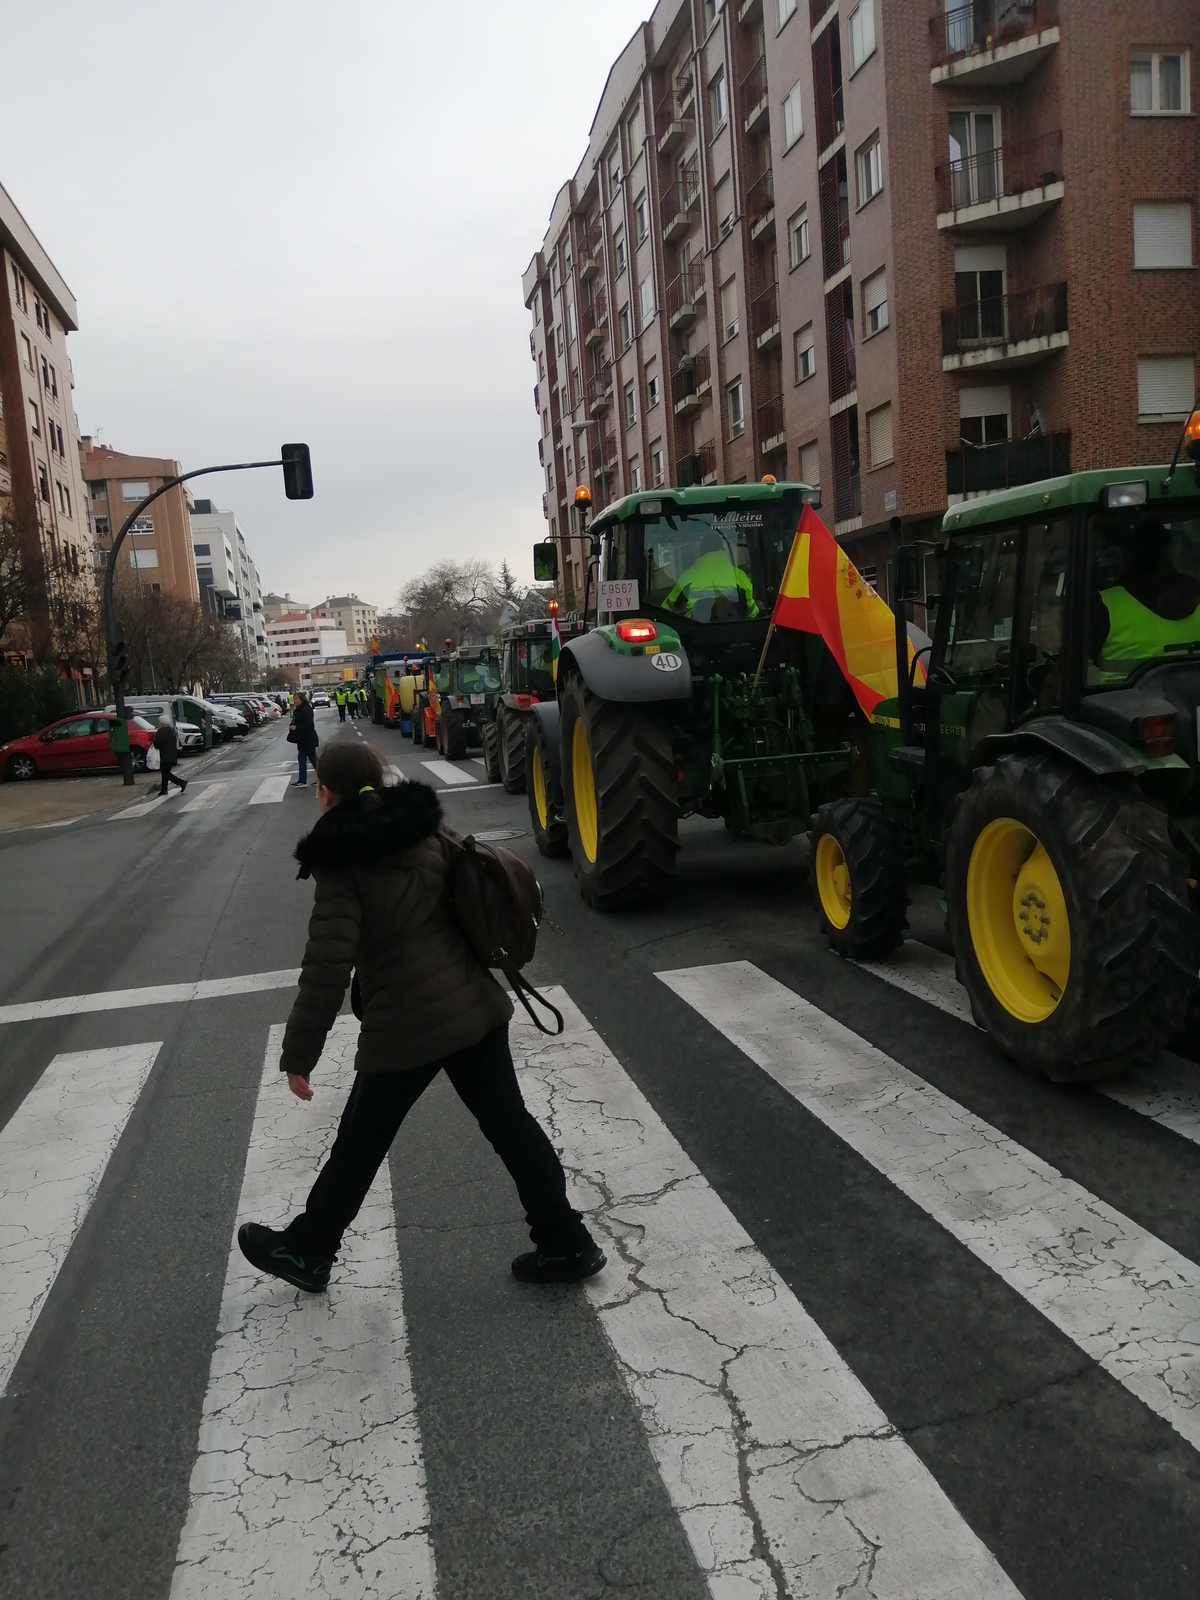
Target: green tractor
x,y
526,677
467,702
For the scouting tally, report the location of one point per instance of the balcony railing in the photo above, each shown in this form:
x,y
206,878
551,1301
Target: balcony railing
x,y
589,248
684,290
608,454
760,198
753,90
764,311
670,114
986,25
980,469
827,87
691,376
839,333
701,464
816,10
1006,319
999,174
770,421
680,196
599,389
593,318
835,217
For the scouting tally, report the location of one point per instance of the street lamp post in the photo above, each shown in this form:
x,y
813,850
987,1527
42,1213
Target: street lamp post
x,y
297,485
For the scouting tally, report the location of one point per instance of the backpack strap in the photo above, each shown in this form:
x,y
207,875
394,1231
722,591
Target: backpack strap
x,y
522,987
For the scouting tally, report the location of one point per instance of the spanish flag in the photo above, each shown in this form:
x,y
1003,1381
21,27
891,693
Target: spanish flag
x,y
823,592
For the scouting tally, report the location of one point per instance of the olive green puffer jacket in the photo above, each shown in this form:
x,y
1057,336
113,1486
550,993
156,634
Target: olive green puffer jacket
x,y
382,908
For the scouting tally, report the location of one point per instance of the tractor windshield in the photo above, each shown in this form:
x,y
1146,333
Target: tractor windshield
x,y
477,677
718,565
1144,589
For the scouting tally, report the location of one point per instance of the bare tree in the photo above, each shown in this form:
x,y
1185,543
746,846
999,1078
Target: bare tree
x,y
394,631
455,600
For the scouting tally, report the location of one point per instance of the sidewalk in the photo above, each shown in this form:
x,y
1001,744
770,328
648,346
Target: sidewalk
x,y
45,801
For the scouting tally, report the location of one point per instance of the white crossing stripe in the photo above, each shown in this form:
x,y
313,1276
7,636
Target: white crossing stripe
x,y
448,773
309,1480
208,797
479,762
787,1477
161,994
53,1152
141,808
1128,1300
1168,1092
269,792
393,776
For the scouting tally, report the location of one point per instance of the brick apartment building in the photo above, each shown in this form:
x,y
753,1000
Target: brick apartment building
x,y
39,452
905,253
159,545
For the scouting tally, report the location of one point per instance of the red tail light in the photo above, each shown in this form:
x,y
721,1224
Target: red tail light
x,y
1158,735
638,631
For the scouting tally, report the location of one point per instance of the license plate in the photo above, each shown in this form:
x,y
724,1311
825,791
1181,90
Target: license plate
x,y
479,699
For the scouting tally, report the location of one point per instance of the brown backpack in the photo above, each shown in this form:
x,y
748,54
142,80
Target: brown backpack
x,y
497,901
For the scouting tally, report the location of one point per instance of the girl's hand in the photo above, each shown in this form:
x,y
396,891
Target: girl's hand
x,y
299,1086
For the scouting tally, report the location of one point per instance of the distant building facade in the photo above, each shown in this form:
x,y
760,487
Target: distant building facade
x,y
230,588
298,639
158,548
355,617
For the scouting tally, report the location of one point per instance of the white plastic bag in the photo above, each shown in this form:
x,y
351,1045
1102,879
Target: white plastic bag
x,y
153,759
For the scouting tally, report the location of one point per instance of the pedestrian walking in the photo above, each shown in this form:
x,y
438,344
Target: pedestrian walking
x,y
303,734
351,702
339,700
166,742
380,858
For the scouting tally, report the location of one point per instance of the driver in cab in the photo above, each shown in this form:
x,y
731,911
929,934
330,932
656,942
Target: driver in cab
x,y
714,588
1151,609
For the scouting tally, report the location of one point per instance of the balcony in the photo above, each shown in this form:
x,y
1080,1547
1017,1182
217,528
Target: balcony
x,y
818,10
691,383
833,194
764,316
699,467
684,292
608,455
681,199
760,204
839,333
749,10
590,247
752,97
671,117
982,469
991,41
1009,187
771,432
594,319
1006,331
600,390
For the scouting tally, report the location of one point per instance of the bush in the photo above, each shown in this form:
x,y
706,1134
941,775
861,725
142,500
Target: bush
x,y
29,700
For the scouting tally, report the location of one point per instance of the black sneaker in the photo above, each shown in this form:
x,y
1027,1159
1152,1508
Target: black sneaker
x,y
534,1267
270,1251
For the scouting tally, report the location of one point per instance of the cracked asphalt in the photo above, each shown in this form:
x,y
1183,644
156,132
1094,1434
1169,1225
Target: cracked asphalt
x,y
665,1431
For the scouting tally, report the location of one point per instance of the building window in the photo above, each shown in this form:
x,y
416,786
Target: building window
x,y
718,100
804,345
641,217
102,528
646,299
560,339
879,434
614,171
134,489
568,458
635,475
974,157
729,309
798,245
868,163
875,303
652,391
59,435
202,550
1162,236
28,352
723,197
783,11
810,465
657,465
1166,387
712,10
43,483
633,130
572,323
619,251
1159,83
541,365
793,117
626,325
35,424
862,34
736,408
19,296
630,404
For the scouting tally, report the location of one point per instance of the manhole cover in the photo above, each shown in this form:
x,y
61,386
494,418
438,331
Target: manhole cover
x,y
495,835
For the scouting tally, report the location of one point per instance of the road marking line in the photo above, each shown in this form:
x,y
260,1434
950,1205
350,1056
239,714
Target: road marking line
x,y
1168,1092
63,822
761,1432
395,775
309,1479
449,774
162,994
269,792
207,798
53,1152
140,808
1125,1298
479,762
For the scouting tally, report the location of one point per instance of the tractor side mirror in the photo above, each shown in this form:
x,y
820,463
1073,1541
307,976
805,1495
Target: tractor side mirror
x,y
545,562
910,574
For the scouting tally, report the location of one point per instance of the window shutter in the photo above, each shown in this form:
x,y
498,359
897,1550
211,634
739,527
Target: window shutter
x,y
1166,385
874,291
810,465
879,428
1162,235
724,200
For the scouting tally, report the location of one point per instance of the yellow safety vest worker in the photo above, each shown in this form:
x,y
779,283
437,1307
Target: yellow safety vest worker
x,y
711,576
1135,633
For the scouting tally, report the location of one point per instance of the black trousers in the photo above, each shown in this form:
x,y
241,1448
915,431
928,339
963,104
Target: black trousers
x,y
486,1082
168,775
341,712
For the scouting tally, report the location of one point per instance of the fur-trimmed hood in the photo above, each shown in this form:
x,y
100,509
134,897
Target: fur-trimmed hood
x,y
358,832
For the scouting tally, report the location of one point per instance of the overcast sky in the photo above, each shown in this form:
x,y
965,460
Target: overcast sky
x,y
285,219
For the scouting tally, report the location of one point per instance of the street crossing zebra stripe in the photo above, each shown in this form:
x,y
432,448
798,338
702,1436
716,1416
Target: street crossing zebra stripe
x,y
1125,1298
448,773
1167,1092
160,994
309,1480
208,797
269,792
142,808
53,1152
787,1477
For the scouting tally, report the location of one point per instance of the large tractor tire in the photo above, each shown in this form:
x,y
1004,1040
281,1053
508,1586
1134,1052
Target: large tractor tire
x,y
858,875
1068,908
491,751
545,816
454,736
511,729
418,723
619,785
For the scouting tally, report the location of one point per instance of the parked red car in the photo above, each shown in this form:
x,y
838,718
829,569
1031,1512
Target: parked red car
x,y
76,744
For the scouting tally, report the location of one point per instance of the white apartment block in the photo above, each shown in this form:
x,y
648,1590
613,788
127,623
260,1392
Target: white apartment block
x,y
297,639
355,617
230,587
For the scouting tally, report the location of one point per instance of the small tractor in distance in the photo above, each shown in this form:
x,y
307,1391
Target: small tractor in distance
x,y
390,681
460,702
526,677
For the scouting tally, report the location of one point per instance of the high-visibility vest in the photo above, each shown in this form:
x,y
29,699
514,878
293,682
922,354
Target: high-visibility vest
x,y
1135,633
711,575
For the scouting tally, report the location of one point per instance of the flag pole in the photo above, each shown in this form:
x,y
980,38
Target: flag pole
x,y
762,658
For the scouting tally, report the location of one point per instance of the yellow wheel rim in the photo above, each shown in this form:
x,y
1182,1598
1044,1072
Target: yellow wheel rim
x,y
583,792
539,790
1017,915
833,881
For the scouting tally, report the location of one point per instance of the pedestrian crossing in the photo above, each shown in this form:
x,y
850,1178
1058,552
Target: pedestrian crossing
x,y
784,1469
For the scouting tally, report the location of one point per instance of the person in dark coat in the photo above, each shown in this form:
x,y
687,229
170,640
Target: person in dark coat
x,y
380,858
304,735
166,742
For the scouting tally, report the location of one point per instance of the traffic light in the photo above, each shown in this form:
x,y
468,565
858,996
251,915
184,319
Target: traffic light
x,y
297,471
118,662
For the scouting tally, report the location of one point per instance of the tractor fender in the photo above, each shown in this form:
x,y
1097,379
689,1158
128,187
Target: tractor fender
x,y
545,714
626,678
1097,752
